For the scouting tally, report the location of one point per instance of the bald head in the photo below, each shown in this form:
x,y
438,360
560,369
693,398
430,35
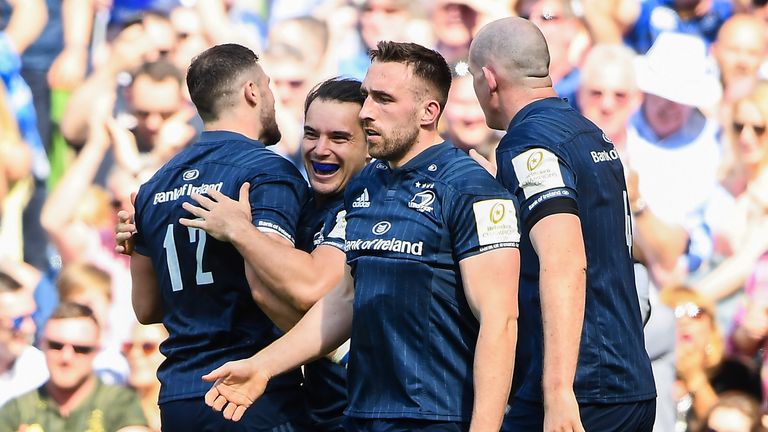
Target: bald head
x,y
514,47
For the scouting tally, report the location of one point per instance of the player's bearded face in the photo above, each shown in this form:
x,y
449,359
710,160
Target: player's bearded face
x,y
392,142
270,133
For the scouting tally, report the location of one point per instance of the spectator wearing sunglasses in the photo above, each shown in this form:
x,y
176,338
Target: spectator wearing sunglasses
x,y
144,358
744,232
73,399
22,366
703,370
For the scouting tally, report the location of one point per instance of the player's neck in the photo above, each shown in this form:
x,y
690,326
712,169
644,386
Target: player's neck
x,y
426,139
244,125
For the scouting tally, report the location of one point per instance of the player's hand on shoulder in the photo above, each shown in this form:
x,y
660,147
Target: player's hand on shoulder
x,y
561,413
124,232
236,385
485,163
220,216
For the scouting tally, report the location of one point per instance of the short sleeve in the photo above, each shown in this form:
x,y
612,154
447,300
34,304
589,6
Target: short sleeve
x,y
139,241
481,223
543,183
276,204
335,230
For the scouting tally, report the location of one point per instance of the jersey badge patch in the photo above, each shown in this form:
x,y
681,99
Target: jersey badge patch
x,y
537,170
496,221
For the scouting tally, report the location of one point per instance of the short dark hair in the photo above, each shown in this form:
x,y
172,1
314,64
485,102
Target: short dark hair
x,y
68,310
212,74
336,89
426,64
159,70
9,284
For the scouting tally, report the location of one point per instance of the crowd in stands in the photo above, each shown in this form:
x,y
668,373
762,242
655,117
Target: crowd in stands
x,y
93,101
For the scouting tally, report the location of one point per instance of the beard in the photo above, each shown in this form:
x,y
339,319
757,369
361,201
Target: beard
x,y
393,147
270,133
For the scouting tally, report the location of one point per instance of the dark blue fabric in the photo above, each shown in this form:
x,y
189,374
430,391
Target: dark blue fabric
x,y
551,153
211,316
525,416
413,333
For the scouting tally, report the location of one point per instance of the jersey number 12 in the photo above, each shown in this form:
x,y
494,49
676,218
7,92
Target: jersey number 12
x,y
172,258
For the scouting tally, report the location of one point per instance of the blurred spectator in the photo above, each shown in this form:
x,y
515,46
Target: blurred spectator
x,y
734,412
86,284
702,370
740,49
641,22
192,39
742,235
675,150
310,37
73,399
608,93
22,23
22,366
379,20
15,181
568,41
465,124
750,333
144,358
80,217
454,23
150,41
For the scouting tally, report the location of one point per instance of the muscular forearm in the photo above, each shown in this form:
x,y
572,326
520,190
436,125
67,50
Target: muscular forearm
x,y
327,325
292,275
494,362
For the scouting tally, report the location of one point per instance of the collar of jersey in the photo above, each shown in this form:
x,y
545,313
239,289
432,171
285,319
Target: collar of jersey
x,y
550,102
428,156
212,137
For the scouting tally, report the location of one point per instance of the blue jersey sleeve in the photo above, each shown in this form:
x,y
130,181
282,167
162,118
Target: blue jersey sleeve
x,y
479,223
334,230
276,203
139,241
543,183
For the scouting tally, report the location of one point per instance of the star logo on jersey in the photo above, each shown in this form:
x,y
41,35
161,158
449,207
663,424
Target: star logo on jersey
x,y
190,175
422,201
534,160
381,228
363,201
497,213
425,185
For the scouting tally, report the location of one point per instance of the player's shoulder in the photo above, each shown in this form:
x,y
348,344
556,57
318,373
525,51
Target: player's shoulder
x,y
458,172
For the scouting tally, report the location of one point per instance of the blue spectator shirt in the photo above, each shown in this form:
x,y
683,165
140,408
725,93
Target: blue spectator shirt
x,y
658,16
556,161
207,305
413,333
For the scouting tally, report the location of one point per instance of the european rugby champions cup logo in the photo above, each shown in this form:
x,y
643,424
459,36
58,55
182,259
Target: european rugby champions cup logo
x,y
534,160
498,211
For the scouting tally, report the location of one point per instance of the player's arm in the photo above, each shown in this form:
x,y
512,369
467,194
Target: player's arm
x,y
325,326
289,280
558,242
490,285
145,294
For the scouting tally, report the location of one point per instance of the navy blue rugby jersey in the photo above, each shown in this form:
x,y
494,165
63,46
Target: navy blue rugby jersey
x,y
555,160
325,382
413,333
207,305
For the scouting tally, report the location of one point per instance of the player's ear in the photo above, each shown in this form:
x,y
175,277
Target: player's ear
x,y
430,112
251,93
490,79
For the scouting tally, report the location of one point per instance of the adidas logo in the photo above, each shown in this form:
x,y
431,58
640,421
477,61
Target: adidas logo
x,y
363,200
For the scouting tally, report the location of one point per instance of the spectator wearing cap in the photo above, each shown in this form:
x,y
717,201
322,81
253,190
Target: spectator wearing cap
x,y
675,150
73,399
22,366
